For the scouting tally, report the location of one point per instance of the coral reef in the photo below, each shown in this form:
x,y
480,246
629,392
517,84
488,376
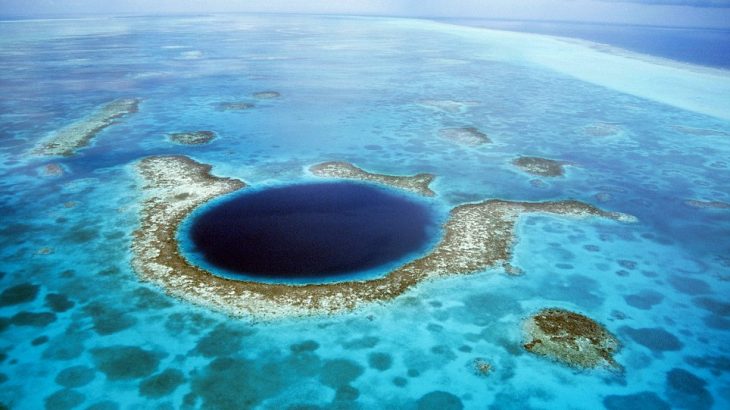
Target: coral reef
x,y
417,183
468,136
448,106
540,166
570,338
234,106
67,140
707,204
192,137
602,129
476,237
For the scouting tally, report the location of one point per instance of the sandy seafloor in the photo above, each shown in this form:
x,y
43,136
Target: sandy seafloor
x,y
352,90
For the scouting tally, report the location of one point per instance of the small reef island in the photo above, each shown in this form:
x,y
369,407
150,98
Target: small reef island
x,y
192,137
570,338
540,166
476,236
67,140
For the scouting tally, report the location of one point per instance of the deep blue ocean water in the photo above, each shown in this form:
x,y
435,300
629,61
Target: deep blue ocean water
x,y
80,330
695,45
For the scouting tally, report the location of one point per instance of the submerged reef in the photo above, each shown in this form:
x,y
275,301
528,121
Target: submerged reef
x,y
417,183
468,136
707,204
540,166
192,137
448,106
476,237
700,132
67,140
570,338
602,129
234,106
266,95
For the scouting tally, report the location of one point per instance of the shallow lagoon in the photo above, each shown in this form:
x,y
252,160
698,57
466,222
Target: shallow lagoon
x,y
79,328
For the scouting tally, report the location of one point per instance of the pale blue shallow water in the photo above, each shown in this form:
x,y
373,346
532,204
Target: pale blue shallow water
x,y
351,89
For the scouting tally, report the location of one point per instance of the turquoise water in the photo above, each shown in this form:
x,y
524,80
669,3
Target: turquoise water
x,y
79,329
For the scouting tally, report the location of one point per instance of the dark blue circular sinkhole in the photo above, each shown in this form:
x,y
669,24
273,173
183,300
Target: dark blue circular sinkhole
x,y
311,231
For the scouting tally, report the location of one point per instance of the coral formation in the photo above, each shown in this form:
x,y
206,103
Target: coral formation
x,y
234,106
540,166
468,136
570,338
417,183
192,137
77,135
448,106
707,204
476,237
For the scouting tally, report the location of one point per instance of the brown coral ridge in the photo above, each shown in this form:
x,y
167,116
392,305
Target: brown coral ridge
x,y
417,183
79,134
540,166
570,338
477,236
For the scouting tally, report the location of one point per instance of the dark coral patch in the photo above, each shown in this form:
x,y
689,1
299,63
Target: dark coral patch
x,y
104,405
59,302
75,376
223,340
228,383
645,299
689,286
145,298
64,400
347,393
715,306
108,320
15,295
656,339
39,340
125,362
35,319
161,384
340,372
380,361
305,346
439,400
687,390
639,401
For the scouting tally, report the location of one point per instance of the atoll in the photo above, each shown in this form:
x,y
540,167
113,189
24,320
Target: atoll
x,y
468,136
417,183
570,338
540,166
476,237
192,137
67,140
